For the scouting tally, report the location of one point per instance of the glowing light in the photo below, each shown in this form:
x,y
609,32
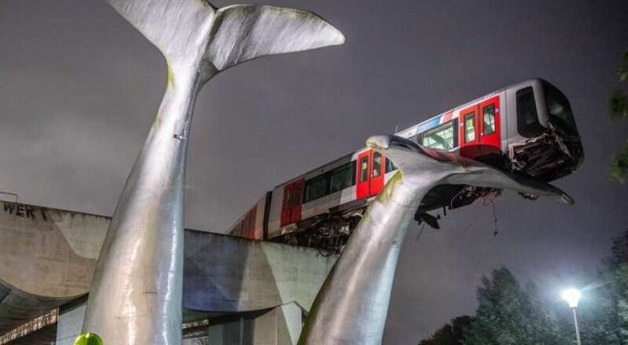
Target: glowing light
x,y
571,296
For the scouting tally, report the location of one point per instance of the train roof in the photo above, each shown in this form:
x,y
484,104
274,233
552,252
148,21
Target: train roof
x,y
404,132
407,131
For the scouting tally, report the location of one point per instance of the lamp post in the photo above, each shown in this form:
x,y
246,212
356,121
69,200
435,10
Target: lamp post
x,y
572,296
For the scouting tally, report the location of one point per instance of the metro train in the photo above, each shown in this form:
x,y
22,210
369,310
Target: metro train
x,y
524,129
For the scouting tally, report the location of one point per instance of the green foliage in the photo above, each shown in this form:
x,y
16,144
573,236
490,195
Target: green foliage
x,y
603,313
618,105
622,72
509,314
450,334
609,314
617,268
619,167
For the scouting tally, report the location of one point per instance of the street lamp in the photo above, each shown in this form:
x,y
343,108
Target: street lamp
x,y
572,296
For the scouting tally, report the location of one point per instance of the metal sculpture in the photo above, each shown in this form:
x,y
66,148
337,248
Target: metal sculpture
x,y
351,306
136,291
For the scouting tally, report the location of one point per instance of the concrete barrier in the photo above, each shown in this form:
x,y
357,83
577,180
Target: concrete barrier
x,y
48,257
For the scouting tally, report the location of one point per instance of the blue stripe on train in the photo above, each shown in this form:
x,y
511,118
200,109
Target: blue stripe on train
x,y
429,124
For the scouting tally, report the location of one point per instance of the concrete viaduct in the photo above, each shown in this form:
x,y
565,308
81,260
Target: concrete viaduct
x,y
235,291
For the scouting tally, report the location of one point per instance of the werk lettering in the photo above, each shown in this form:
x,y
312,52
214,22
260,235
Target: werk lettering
x,y
23,211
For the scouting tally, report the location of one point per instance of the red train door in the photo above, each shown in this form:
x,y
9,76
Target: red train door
x,y
490,126
377,172
286,205
469,132
297,200
370,174
292,201
363,187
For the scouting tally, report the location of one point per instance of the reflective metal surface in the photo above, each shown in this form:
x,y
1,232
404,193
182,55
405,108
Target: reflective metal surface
x,y
352,305
135,296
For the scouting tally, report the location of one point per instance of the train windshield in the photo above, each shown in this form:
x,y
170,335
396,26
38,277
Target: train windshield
x,y
527,116
559,109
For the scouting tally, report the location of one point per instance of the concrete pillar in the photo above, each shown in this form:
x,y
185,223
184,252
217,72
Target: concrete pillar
x,y
279,326
215,334
70,322
292,316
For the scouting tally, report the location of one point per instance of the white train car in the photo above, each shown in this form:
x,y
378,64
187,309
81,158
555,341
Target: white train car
x,y
526,128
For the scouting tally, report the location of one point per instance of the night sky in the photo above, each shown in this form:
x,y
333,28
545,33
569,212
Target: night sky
x,y
79,88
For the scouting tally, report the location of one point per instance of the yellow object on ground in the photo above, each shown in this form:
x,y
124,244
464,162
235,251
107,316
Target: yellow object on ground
x,y
88,339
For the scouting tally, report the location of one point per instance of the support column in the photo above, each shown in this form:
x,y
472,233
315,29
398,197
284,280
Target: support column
x,y
70,322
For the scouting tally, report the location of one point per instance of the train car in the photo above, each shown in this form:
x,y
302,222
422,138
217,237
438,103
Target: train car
x,y
525,129
251,224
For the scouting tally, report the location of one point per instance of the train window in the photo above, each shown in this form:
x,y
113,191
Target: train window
x,y
469,127
342,177
377,164
364,169
489,119
441,137
559,109
316,188
527,117
390,166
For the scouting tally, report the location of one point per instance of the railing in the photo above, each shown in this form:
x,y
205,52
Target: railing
x,y
52,317
31,326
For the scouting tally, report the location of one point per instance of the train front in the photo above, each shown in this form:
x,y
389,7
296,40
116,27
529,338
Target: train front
x,y
549,147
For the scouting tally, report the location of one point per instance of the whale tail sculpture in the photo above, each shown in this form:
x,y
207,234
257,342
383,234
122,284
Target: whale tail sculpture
x,y
135,297
351,307
415,162
227,36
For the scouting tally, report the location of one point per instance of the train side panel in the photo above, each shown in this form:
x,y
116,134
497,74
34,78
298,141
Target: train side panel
x,y
320,205
251,224
274,217
512,129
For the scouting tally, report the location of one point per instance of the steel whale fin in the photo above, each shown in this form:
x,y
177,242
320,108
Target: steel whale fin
x,y
188,30
178,28
351,306
413,159
136,291
252,31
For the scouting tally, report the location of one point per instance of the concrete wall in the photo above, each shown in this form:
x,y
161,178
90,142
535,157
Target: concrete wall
x,y
278,326
231,274
69,323
48,258
47,252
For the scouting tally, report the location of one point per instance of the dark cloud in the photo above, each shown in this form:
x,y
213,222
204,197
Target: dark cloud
x,y
79,88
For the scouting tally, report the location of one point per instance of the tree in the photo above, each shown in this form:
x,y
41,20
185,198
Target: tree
x,y
606,319
509,314
614,321
450,334
619,110
617,272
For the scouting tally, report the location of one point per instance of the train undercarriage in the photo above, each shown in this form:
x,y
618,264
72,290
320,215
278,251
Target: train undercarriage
x,y
546,158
